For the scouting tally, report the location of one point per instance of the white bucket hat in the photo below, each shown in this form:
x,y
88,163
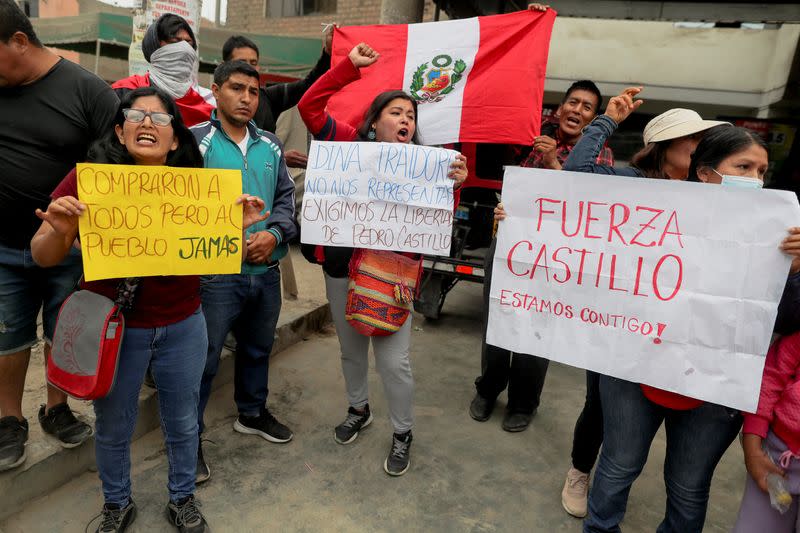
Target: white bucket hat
x,y
676,123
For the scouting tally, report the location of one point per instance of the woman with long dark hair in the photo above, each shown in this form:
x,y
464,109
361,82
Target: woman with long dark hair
x,y
390,118
698,433
165,327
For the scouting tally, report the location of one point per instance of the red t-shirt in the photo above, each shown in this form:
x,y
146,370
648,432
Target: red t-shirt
x,y
159,301
670,400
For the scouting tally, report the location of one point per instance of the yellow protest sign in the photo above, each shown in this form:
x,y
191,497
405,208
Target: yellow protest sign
x,y
159,221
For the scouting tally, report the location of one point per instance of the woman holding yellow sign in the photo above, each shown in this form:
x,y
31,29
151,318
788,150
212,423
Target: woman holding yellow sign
x,y
165,327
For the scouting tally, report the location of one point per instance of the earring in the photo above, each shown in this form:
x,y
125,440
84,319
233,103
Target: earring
x,y
371,135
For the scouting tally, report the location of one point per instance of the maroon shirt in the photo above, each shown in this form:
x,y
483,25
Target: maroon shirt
x,y
159,301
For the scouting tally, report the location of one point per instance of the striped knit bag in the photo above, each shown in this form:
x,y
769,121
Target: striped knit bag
x,y
381,292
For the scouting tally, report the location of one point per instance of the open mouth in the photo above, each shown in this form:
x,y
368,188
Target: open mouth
x,y
402,134
573,121
146,138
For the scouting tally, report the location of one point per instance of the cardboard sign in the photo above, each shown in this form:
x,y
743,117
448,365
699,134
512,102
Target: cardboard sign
x,y
383,196
159,221
671,284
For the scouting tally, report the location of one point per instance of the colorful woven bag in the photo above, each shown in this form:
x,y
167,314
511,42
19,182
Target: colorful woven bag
x,y
381,292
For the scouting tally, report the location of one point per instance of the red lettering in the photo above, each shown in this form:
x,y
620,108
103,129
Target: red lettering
x,y
580,266
503,296
599,270
543,257
541,201
677,232
638,278
511,252
568,274
589,219
647,225
564,220
678,282
614,228
613,275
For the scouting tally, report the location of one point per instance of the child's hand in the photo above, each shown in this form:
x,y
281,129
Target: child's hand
x,y
757,462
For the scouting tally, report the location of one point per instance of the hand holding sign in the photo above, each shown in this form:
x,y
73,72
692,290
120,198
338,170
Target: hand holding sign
x,y
621,106
62,214
458,170
791,246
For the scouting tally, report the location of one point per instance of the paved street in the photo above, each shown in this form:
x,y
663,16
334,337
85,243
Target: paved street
x,y
464,476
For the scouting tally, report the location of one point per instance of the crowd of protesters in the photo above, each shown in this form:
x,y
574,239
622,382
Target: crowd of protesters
x,y
176,325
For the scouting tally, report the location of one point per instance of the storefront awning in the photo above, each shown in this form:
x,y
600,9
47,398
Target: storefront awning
x,y
111,34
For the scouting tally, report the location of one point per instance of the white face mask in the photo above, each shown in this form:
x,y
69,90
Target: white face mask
x,y
745,182
172,66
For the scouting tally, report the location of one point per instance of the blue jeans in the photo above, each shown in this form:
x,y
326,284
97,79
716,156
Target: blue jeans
x,y
249,306
25,288
176,355
696,440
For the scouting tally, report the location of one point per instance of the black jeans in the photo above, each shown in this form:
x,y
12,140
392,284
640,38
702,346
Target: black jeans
x,y
523,374
588,436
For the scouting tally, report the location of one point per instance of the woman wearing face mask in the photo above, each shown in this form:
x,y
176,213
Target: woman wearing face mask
x,y
698,433
390,118
169,46
164,324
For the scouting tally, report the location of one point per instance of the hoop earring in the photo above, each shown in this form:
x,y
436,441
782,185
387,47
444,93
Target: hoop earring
x,y
371,135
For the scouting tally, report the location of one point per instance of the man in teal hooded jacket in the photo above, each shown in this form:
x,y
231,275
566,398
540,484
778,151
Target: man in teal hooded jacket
x,y
248,304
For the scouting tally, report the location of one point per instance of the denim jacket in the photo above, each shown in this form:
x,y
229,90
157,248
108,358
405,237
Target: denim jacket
x,y
584,155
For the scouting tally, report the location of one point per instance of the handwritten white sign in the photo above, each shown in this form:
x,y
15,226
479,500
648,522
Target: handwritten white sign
x,y
671,284
383,196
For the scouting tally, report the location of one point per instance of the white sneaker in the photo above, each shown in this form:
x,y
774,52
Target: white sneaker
x,y
575,494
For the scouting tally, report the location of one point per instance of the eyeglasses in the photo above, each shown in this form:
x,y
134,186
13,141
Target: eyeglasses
x,y
137,115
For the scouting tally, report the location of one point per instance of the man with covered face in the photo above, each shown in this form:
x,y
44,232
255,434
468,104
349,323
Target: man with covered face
x,y
170,47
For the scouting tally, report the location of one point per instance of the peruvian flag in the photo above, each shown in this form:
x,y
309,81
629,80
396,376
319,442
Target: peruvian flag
x,y
475,80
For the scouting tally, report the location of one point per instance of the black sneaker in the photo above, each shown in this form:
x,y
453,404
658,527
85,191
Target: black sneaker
x,y
186,516
400,455
264,426
116,519
13,436
62,424
203,471
480,408
515,422
347,431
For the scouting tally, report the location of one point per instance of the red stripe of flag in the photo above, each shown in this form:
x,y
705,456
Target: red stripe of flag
x,y
390,42
504,91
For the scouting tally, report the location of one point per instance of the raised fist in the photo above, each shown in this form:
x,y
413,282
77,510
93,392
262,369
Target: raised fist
x,y
363,56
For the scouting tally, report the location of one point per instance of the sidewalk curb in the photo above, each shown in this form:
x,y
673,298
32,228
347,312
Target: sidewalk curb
x,y
35,479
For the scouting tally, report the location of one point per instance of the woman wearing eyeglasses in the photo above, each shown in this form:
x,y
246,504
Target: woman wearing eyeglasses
x,y
164,327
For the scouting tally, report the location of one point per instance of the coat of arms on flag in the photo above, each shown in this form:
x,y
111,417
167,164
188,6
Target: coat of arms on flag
x,y
434,83
479,79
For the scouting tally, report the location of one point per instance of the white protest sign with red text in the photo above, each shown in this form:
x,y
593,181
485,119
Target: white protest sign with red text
x,y
671,284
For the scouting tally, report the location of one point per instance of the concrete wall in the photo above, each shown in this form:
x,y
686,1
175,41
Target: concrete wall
x,y
716,66
249,15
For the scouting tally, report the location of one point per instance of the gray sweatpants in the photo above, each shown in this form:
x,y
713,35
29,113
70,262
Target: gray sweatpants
x,y
391,360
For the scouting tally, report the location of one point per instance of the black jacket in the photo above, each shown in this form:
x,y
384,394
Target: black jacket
x,y
275,99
